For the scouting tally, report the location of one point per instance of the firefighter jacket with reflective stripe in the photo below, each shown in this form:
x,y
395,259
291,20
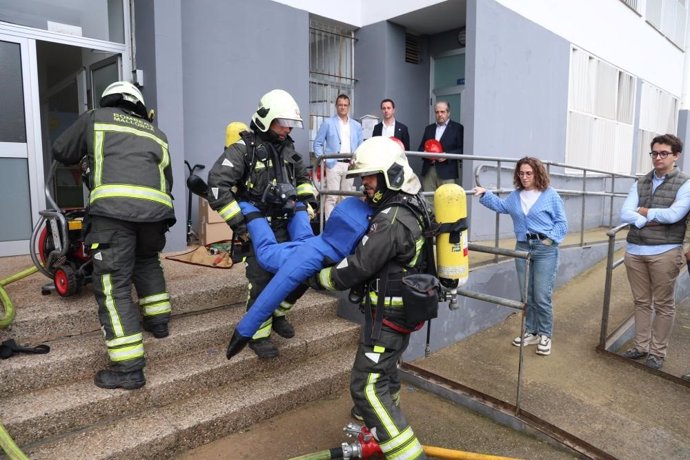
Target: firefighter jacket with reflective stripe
x,y
392,246
243,172
662,197
130,176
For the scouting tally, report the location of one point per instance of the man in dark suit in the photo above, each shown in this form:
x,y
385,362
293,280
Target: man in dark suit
x,y
390,127
450,133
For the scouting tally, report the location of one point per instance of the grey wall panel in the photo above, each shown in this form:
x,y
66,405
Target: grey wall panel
x,y
158,54
207,63
516,96
234,52
520,84
382,72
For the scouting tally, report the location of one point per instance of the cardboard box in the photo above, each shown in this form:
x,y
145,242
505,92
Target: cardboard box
x,y
209,214
214,232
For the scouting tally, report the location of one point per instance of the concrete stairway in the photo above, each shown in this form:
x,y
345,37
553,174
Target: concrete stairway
x,y
193,395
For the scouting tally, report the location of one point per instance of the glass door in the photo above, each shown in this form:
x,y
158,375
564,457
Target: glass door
x,y
103,73
64,103
19,169
448,81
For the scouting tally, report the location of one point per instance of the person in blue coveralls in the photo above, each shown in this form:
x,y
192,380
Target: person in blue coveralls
x,y
295,261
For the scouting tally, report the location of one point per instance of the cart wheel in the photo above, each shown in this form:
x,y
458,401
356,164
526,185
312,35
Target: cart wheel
x,y
66,283
45,244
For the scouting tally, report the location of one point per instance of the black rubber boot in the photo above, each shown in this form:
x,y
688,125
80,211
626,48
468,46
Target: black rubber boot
x,y
159,330
110,379
355,414
237,344
283,327
264,348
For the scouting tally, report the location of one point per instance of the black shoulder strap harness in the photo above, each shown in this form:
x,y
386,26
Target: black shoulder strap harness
x,y
374,323
430,229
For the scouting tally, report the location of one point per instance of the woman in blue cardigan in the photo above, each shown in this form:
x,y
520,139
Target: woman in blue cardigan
x,y
540,225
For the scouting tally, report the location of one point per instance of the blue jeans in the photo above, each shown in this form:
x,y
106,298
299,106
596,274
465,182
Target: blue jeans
x,y
542,275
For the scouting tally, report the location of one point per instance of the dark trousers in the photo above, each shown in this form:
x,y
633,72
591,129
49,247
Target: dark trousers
x,y
126,253
375,388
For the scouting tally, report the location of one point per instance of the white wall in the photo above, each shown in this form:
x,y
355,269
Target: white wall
x,y
359,13
613,32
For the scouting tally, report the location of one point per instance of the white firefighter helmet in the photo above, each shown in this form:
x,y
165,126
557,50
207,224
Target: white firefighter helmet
x,y
383,155
129,92
277,105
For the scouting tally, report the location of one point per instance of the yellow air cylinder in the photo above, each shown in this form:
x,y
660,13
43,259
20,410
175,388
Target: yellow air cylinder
x,y
452,258
232,132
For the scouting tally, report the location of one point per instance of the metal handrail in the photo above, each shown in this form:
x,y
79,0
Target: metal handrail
x,y
610,266
611,194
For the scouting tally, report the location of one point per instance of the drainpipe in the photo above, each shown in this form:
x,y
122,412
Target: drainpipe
x,y
684,113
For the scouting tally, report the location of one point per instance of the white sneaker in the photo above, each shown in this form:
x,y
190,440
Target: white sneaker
x,y
544,345
530,339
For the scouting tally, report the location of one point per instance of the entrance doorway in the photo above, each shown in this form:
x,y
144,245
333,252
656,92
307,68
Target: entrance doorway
x,y
72,80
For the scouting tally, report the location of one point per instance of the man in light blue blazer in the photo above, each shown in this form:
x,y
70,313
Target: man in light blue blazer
x,y
337,134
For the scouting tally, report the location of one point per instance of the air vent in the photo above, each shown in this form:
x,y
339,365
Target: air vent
x,y
413,54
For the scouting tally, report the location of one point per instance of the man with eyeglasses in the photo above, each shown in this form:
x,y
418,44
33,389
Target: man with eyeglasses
x,y
656,207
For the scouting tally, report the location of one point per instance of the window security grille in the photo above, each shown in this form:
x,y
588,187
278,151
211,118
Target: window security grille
x,y
331,71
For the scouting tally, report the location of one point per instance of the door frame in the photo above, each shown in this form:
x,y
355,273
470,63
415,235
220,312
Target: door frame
x,y
32,149
27,38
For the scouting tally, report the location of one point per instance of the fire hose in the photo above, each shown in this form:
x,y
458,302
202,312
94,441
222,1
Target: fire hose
x,y
9,446
366,447
5,300
6,442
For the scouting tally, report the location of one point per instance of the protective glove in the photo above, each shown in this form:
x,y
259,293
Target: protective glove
x,y
237,343
314,283
240,232
313,203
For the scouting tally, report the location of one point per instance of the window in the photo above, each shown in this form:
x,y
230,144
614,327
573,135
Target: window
x,y
631,3
668,17
100,19
658,115
331,71
600,114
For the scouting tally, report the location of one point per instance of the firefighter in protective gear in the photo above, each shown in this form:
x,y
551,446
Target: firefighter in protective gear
x,y
130,209
263,169
392,248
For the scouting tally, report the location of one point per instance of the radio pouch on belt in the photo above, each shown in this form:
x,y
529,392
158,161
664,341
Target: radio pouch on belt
x,y
420,291
420,297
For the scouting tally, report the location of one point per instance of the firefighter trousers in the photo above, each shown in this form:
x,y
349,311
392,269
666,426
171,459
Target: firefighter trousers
x,y
126,253
375,386
259,278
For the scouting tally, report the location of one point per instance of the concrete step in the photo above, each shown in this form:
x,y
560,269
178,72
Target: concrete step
x,y
43,318
79,357
165,431
56,411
